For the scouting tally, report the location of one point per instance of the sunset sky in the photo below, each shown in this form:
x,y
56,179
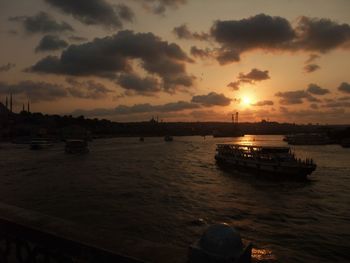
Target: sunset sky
x,y
181,60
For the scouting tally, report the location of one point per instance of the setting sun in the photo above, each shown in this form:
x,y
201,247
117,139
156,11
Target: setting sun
x,y
246,100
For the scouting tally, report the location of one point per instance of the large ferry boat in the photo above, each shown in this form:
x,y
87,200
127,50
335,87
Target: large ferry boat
x,y
268,160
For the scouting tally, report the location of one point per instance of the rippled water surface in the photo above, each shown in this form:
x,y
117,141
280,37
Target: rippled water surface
x,y
154,190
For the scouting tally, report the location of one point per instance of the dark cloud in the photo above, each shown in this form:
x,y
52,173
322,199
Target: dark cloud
x,y
295,97
147,86
276,33
201,53
39,91
95,12
50,43
321,35
125,13
105,57
7,67
234,85
140,108
317,90
309,68
78,39
264,103
212,99
344,98
183,32
260,31
254,75
160,6
251,77
41,23
87,89
344,87
337,104
35,91
312,58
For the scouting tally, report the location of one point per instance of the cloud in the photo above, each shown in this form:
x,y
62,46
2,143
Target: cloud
x,y
50,43
7,67
263,103
317,90
39,91
338,104
260,31
312,58
160,6
271,33
140,108
344,87
314,106
201,53
95,12
147,86
234,85
255,75
105,57
212,99
87,89
78,39
295,97
309,68
322,35
41,23
183,32
35,91
344,98
335,115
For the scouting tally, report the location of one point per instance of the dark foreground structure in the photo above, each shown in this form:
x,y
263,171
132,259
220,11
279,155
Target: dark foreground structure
x,y
31,237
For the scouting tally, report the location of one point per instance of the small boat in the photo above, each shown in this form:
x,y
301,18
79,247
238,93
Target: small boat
x,y
40,143
142,139
268,160
76,146
168,138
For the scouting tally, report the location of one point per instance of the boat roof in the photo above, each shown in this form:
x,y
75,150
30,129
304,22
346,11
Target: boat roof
x,y
254,146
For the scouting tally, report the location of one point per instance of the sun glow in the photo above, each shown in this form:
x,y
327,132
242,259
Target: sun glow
x,y
246,100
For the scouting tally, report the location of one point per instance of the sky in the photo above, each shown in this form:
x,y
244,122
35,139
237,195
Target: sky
x,y
180,60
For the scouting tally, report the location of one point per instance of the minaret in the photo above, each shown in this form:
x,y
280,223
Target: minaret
x,y
7,103
28,107
23,108
11,102
237,117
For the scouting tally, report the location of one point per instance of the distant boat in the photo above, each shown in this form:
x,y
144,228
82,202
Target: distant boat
x,y
76,146
40,143
268,160
307,139
168,138
142,139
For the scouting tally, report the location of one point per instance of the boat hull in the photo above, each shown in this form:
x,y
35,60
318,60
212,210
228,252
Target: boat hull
x,y
266,170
